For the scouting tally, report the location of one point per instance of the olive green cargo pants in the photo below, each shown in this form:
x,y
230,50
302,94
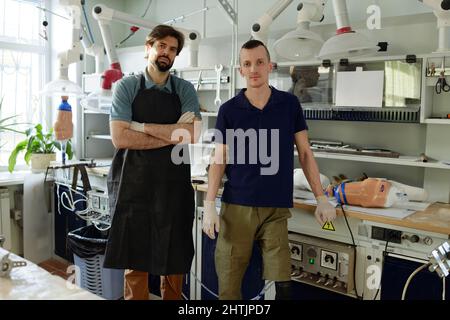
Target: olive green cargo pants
x,y
240,226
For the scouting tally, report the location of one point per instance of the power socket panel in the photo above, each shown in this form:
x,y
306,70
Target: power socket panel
x,y
384,234
328,259
296,251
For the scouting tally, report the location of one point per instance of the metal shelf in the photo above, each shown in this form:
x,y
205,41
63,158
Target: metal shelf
x,y
437,121
100,136
381,160
91,111
209,114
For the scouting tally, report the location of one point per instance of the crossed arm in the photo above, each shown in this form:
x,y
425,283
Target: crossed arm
x,y
154,136
177,133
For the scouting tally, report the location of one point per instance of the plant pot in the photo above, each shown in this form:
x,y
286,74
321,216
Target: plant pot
x,y
40,161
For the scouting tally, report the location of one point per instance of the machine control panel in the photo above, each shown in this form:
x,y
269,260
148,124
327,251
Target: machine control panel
x,y
322,262
400,237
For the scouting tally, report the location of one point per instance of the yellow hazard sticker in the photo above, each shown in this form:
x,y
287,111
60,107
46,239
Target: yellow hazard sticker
x,y
328,226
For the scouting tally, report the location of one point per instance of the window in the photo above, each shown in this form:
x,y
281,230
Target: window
x,y
22,66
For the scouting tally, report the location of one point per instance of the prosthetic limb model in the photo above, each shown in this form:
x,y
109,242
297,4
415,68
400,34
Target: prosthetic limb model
x,y
375,193
370,193
63,126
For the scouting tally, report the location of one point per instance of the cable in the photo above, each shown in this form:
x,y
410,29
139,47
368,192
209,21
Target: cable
x,y
354,249
146,9
257,297
405,288
348,225
203,286
100,220
263,290
133,29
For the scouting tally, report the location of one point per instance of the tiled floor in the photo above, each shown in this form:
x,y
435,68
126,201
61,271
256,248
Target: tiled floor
x,y
56,267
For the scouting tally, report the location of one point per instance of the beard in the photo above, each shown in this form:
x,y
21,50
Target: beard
x,y
163,66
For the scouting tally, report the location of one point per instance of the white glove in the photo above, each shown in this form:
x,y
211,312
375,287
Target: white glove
x,y
137,126
210,219
187,117
324,211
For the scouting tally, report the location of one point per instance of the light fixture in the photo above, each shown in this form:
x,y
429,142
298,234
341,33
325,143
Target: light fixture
x,y
62,87
302,43
346,43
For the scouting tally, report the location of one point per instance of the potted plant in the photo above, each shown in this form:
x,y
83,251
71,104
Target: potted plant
x,y
39,147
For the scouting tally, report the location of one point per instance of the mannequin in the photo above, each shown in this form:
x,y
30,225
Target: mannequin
x,y
375,193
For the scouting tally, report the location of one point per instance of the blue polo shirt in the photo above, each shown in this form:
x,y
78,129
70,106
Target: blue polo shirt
x,y
260,173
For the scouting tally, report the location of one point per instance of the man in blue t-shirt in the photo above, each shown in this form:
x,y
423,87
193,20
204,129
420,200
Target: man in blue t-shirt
x,y
255,136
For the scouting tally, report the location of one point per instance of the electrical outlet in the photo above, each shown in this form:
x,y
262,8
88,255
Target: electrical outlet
x,y
328,259
384,234
296,251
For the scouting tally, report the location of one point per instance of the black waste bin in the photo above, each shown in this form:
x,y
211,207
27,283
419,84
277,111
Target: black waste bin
x,y
88,245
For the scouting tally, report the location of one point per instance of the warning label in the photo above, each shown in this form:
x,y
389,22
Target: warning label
x,y
328,226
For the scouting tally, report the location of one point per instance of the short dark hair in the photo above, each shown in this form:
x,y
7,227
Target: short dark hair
x,y
161,31
251,44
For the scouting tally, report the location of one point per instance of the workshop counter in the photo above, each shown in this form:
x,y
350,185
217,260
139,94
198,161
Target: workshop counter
x,y
436,218
34,283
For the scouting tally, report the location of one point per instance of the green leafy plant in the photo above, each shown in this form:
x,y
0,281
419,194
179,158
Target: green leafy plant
x,y
37,142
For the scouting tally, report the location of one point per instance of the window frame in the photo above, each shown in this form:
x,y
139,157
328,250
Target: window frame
x,y
45,52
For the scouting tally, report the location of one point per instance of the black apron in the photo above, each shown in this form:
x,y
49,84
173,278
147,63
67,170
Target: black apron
x,y
151,198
